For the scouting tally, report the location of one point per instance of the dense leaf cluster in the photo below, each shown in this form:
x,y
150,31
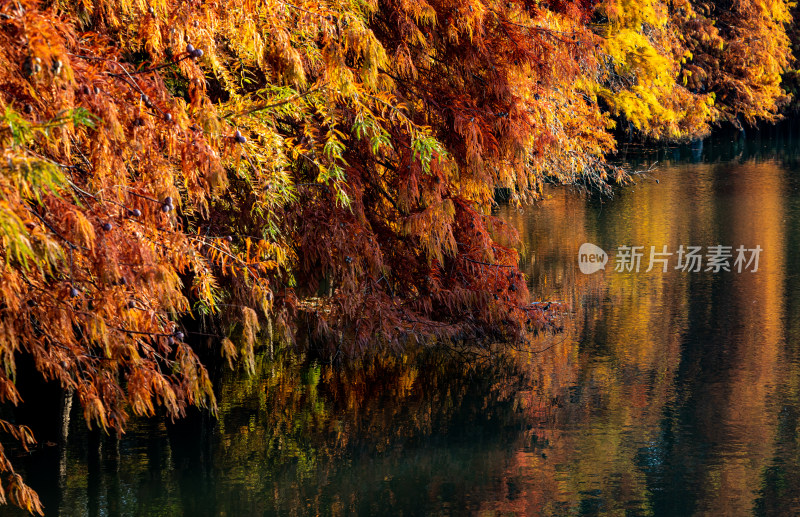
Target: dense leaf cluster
x,y
319,171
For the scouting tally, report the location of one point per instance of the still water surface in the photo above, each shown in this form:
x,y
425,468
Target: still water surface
x,y
667,393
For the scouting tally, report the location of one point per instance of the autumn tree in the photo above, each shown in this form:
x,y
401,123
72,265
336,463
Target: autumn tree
x,y
673,70
737,51
321,172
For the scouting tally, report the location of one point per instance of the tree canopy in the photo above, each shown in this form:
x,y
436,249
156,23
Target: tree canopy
x,y
321,172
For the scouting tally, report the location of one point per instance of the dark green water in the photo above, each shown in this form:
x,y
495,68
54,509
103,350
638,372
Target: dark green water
x,y
669,393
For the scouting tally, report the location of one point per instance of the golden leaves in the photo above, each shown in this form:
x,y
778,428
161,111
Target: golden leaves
x,y
433,228
13,490
228,351
250,327
80,228
669,64
323,161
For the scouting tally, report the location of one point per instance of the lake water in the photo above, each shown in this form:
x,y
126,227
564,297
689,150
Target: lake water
x,y
668,393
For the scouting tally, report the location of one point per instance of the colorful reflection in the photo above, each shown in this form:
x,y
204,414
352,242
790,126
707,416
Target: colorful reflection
x,y
668,393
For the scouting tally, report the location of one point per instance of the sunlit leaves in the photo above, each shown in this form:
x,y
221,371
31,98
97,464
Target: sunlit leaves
x,y
676,68
317,171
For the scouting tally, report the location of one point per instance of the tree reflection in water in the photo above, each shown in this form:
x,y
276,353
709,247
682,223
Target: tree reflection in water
x,y
666,394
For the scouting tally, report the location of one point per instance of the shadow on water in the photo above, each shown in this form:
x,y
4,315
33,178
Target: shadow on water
x,y
669,392
415,433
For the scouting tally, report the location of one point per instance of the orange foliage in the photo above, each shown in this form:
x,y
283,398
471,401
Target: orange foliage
x,y
323,166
